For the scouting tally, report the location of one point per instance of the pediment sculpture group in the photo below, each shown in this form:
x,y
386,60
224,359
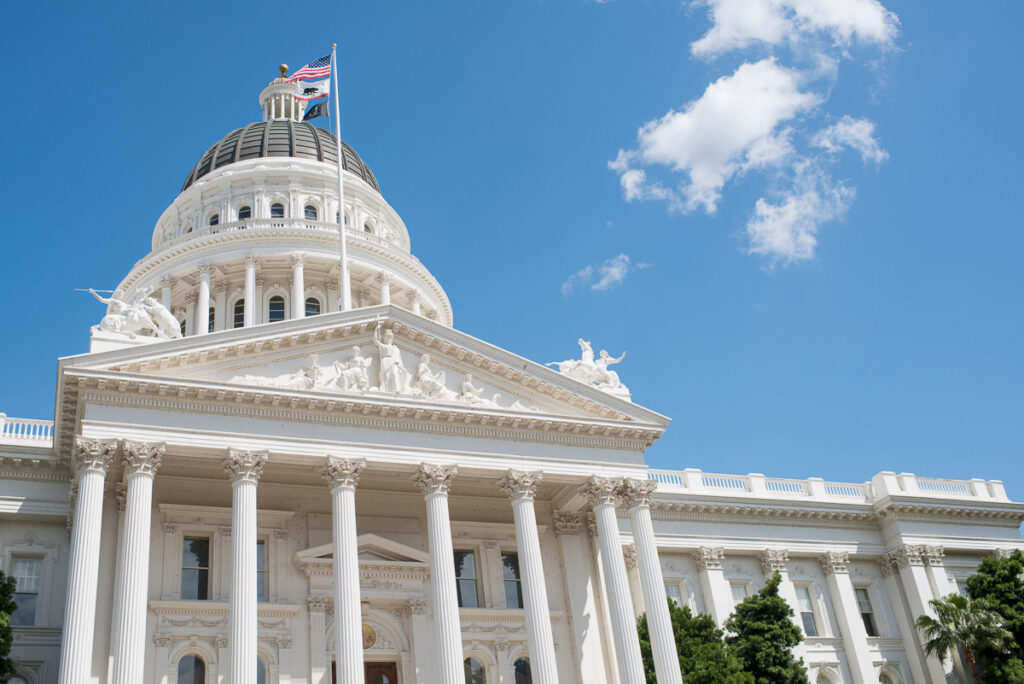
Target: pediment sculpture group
x,y
595,372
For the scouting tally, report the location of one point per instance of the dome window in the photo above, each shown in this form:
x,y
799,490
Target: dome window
x,y
367,227
276,310
214,219
312,306
276,210
310,213
211,320
244,213
238,314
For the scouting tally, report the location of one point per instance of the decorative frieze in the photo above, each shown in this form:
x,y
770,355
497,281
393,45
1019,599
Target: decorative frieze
x,y
709,557
520,484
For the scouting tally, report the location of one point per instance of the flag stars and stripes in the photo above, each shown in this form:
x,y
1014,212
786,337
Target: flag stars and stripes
x,y
318,68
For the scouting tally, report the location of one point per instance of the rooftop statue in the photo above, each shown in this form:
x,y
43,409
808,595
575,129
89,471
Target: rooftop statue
x,y
141,314
394,378
594,372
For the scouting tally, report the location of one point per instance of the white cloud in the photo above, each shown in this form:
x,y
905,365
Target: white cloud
x,y
786,232
739,24
858,134
731,128
604,276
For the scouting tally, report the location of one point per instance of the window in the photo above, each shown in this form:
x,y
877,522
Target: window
x,y
822,679
26,589
739,591
312,306
465,580
806,609
210,320
310,213
261,672
367,228
214,219
884,679
276,210
261,571
244,213
195,569
276,312
182,326
513,582
475,672
16,680
191,670
239,314
522,668
867,613
673,591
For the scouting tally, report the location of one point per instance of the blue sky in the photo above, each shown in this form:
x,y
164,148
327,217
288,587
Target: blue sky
x,y
810,254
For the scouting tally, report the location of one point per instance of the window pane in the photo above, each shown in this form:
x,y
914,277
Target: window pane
x,y
869,624
194,584
195,569
465,564
261,672
261,571
239,313
523,675
215,219
513,594
863,600
244,213
210,320
810,629
803,599
467,593
312,306
276,211
195,552
475,672
276,312
26,574
739,592
510,566
310,212
191,670
674,592
25,613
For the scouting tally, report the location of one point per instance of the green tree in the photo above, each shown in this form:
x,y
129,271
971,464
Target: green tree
x,y
763,634
962,622
998,582
7,607
703,655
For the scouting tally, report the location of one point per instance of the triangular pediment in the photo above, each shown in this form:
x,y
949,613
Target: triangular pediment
x,y
372,548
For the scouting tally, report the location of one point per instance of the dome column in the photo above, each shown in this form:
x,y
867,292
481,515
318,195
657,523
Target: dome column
x,y
385,288
250,291
298,287
202,324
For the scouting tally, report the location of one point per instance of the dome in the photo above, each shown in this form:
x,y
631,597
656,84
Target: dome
x,y
279,138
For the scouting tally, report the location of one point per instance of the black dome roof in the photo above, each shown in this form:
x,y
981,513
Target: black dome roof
x,y
279,138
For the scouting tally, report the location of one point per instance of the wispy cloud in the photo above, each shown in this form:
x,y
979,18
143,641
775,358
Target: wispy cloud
x,y
857,134
603,276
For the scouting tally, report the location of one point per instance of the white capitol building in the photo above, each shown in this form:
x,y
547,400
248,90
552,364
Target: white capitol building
x,y
246,480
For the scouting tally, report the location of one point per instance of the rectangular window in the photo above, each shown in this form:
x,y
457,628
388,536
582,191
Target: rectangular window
x,y
513,583
195,569
26,589
466,579
674,593
867,613
739,591
806,609
261,571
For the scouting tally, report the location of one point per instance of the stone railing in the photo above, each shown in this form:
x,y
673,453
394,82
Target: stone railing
x,y
296,224
695,481
25,431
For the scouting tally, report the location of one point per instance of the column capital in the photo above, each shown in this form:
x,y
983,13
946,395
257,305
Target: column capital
x,y
435,479
245,466
205,270
601,490
342,472
416,606
382,278
93,454
318,604
142,457
933,555
591,523
166,282
637,492
520,484
907,555
414,296
251,260
835,562
774,560
567,523
297,258
709,557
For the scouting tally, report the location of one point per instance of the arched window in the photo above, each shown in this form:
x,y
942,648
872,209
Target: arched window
x,y
181,324
475,673
244,213
17,680
238,314
191,670
214,219
367,227
261,671
276,312
822,679
310,213
312,306
522,668
276,210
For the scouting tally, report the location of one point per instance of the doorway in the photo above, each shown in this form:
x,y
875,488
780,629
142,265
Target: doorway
x,y
374,673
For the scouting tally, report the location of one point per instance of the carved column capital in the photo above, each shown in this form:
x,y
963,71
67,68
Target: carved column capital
x,y
601,491
205,270
835,562
245,466
435,479
166,282
416,606
637,492
382,278
317,604
297,258
566,523
591,522
190,298
342,472
933,555
141,457
709,557
94,455
774,560
908,555
251,260
520,484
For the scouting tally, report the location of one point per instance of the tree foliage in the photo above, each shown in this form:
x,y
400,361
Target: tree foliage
x,y
763,634
703,655
998,582
7,607
963,622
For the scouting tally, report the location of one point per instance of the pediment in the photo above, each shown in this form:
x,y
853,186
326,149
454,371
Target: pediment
x,y
372,548
377,355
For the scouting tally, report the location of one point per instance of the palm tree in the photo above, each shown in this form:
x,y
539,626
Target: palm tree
x,y
962,622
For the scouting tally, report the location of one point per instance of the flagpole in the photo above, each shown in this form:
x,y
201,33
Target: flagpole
x,y
344,286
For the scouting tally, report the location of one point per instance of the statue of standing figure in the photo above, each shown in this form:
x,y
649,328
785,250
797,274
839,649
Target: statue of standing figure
x,y
394,378
142,313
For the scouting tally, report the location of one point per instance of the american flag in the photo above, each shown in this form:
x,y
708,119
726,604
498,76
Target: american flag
x,y
318,68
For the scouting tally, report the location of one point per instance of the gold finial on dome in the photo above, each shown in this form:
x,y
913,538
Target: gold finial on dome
x,y
284,70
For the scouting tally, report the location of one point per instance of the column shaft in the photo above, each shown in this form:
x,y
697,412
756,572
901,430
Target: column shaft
x,y
250,292
851,627
714,587
385,288
343,476
203,303
298,288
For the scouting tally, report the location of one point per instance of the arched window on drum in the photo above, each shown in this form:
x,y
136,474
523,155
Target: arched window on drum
x,y
276,210
312,306
275,311
238,314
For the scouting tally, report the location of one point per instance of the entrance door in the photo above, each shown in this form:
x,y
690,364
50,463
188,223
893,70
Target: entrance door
x,y
381,673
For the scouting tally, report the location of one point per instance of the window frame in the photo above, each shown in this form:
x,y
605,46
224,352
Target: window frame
x,y
873,613
40,562
733,585
518,581
676,585
213,220
197,656
306,212
209,539
278,203
811,614
284,307
265,572
319,305
244,207
467,664
476,579
238,314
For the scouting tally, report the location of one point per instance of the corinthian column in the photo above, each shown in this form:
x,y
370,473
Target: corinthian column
x,y
141,462
602,493
637,495
249,305
298,286
435,481
343,474
90,458
245,467
521,488
203,305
